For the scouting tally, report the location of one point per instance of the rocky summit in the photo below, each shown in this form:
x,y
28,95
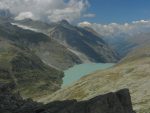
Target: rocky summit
x,y
118,102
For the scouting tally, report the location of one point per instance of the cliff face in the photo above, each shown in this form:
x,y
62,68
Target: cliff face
x,y
119,102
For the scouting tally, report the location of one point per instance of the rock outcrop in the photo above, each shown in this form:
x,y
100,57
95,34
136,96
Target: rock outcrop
x,y
119,102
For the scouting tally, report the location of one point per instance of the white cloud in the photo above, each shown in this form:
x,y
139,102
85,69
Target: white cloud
x,y
85,24
89,15
3,6
24,15
115,28
140,22
47,10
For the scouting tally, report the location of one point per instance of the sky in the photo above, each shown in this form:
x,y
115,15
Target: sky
x,y
47,10
116,17
107,17
96,11
120,11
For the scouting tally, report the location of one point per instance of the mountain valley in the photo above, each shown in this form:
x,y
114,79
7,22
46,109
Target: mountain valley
x,y
36,54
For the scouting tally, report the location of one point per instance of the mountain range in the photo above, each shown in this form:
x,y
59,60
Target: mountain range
x,y
88,46
34,59
34,54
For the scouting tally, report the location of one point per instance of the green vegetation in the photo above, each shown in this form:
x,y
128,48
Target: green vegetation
x,y
28,72
20,65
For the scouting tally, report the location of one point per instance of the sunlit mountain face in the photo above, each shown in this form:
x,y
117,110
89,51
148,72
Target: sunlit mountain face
x,y
74,56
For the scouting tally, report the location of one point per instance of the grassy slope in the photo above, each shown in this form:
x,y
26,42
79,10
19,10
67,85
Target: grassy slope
x,y
132,72
21,55
32,77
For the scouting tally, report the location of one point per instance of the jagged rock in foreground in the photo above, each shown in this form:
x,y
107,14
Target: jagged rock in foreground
x,y
119,102
13,103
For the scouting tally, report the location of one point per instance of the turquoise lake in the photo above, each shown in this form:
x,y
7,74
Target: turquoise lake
x,y
75,73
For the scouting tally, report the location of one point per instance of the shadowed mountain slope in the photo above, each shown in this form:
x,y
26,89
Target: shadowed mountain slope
x,y
49,50
88,46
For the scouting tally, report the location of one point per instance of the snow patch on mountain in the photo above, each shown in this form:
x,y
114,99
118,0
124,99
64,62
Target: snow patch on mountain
x,y
25,27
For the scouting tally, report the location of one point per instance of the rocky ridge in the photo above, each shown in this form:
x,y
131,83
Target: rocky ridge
x,y
119,102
